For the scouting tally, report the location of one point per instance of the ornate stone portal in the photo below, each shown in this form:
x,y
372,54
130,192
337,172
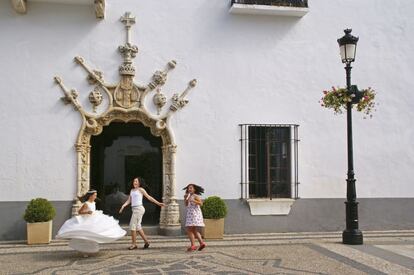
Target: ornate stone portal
x,y
126,103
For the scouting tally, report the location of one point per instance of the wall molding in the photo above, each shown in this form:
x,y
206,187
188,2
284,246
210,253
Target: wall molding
x,y
262,207
268,10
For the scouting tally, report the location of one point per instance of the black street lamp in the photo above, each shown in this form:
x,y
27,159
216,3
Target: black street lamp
x,y
351,235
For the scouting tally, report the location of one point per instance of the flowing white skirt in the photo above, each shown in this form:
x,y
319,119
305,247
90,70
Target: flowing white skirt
x,y
86,231
85,246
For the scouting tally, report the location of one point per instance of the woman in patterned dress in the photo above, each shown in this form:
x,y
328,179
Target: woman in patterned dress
x,y
194,216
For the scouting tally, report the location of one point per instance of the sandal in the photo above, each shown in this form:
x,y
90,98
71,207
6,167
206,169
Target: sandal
x,y
132,247
202,246
146,245
192,248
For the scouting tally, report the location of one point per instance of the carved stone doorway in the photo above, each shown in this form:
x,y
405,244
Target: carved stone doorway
x,y
120,153
125,103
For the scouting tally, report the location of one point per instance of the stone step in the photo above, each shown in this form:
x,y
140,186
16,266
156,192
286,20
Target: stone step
x,y
148,229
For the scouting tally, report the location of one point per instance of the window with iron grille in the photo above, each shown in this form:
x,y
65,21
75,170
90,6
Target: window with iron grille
x,y
269,161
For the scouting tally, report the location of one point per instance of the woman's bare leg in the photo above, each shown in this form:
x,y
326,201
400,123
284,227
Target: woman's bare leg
x,y
190,235
143,236
198,236
134,237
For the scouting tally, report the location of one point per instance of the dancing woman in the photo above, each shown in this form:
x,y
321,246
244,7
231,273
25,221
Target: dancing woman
x,y
90,227
138,210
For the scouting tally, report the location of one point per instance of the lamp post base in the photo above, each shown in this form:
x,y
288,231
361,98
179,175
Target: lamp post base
x,y
353,236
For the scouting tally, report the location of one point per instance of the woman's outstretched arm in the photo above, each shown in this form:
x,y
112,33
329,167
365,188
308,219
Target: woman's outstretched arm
x,y
151,199
125,204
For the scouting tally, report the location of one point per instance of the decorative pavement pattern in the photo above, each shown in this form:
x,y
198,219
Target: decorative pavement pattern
x,y
289,253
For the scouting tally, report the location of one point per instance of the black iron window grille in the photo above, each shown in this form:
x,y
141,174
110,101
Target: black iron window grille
x,y
281,3
269,161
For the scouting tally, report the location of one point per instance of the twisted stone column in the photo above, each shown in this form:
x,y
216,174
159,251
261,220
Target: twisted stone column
x,y
83,154
170,214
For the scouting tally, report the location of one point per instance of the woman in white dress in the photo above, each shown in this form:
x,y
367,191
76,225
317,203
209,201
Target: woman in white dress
x,y
90,227
138,210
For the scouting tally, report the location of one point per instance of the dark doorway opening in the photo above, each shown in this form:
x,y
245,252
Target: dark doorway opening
x,y
120,153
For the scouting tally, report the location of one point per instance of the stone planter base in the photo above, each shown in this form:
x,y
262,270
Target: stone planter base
x,y
214,229
39,232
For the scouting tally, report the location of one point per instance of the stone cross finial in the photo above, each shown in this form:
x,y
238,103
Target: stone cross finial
x,y
128,21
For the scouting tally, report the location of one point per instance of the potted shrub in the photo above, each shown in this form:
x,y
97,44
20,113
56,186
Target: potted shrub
x,y
38,215
214,211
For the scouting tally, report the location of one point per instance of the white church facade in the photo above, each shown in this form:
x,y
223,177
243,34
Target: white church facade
x,y
221,93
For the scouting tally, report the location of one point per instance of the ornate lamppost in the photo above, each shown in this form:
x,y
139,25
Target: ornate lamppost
x,y
351,235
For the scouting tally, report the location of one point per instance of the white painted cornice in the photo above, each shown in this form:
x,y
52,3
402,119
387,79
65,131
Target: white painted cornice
x,y
268,10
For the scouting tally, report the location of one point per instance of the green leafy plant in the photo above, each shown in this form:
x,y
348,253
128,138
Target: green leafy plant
x,y
337,99
39,210
214,208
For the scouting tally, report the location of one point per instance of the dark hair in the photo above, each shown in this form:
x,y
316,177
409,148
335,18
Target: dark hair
x,y
197,188
141,181
87,195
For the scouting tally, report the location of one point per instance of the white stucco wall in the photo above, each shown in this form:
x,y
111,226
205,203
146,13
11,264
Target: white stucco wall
x,y
250,69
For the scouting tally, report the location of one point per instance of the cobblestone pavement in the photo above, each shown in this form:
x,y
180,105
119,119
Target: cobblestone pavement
x,y
389,252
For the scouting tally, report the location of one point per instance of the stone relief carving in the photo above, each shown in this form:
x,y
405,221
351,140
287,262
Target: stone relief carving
x,y
19,6
95,98
159,100
100,9
126,93
91,80
125,103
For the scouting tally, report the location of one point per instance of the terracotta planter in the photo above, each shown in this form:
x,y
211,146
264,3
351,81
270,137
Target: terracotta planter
x,y
214,228
39,232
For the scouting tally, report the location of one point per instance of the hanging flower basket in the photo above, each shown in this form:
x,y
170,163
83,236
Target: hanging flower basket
x,y
338,98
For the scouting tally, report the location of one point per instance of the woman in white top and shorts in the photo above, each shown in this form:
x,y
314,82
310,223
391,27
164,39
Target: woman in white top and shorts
x,y
138,210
